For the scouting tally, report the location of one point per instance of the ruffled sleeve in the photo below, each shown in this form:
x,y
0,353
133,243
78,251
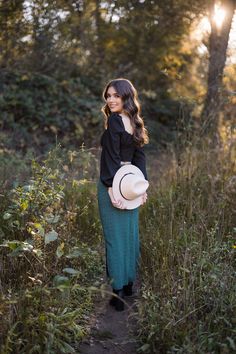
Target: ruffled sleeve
x,y
110,158
139,160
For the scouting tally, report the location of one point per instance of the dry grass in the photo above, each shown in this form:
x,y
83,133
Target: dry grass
x,y
188,255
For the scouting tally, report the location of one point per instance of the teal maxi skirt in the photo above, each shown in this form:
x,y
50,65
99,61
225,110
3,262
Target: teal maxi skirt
x,y
121,235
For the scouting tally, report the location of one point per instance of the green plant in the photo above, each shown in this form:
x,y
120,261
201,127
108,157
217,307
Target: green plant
x,y
188,299
46,300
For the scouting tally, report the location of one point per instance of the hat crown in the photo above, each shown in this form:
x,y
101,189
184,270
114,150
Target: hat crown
x,y
132,185
129,184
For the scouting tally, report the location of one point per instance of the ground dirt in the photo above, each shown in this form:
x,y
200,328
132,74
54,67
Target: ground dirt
x,y
111,331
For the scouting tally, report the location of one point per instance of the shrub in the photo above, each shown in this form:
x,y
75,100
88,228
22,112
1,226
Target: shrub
x,y
49,258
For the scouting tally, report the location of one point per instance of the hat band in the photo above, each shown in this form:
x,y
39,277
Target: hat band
x,y
125,162
129,173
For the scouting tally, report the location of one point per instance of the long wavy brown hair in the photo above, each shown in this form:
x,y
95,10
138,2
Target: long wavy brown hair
x,y
131,107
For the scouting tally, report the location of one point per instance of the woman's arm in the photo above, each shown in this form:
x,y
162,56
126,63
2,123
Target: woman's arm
x,y
139,160
110,159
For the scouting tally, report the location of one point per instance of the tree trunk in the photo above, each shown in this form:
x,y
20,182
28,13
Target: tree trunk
x,y
218,43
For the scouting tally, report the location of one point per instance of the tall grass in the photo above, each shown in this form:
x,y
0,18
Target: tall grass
x,y
188,297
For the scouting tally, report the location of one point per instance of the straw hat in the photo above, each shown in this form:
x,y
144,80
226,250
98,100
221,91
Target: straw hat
x,y
128,185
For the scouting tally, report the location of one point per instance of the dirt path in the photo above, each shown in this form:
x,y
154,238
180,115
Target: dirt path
x,y
112,332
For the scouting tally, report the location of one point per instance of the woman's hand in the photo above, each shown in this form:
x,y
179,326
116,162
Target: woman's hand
x,y
144,198
116,203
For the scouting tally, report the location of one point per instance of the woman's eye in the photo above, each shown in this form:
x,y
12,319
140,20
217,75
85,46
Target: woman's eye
x,y
114,95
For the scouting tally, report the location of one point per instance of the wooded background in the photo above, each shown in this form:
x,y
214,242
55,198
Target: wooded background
x,y
56,56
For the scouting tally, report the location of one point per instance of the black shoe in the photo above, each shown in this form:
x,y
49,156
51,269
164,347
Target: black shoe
x,y
119,306
117,301
128,289
113,299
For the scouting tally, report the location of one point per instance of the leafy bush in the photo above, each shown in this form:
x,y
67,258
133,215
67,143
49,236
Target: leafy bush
x,y
36,107
49,257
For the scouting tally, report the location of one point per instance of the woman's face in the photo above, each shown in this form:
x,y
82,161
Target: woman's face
x,y
114,101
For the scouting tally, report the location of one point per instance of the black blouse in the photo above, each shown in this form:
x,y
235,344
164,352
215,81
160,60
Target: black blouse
x,y
118,145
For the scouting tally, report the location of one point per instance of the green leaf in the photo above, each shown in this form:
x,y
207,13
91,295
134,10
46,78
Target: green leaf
x,y
145,347
6,216
61,281
38,252
40,228
71,271
15,223
67,348
51,236
232,343
11,244
24,205
25,246
185,269
76,252
60,251
17,247
28,188
52,219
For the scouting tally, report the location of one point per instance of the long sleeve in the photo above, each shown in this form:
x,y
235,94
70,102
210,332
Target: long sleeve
x,y
139,160
110,158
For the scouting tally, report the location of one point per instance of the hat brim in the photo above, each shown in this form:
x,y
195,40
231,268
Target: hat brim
x,y
129,168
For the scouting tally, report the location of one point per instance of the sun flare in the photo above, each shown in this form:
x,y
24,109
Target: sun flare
x,y
219,15
202,28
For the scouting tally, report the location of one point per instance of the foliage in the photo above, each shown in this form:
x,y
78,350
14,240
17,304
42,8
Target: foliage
x,y
56,58
94,37
188,299
51,254
37,107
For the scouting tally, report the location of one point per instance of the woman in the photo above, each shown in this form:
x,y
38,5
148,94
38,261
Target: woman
x,y
122,142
